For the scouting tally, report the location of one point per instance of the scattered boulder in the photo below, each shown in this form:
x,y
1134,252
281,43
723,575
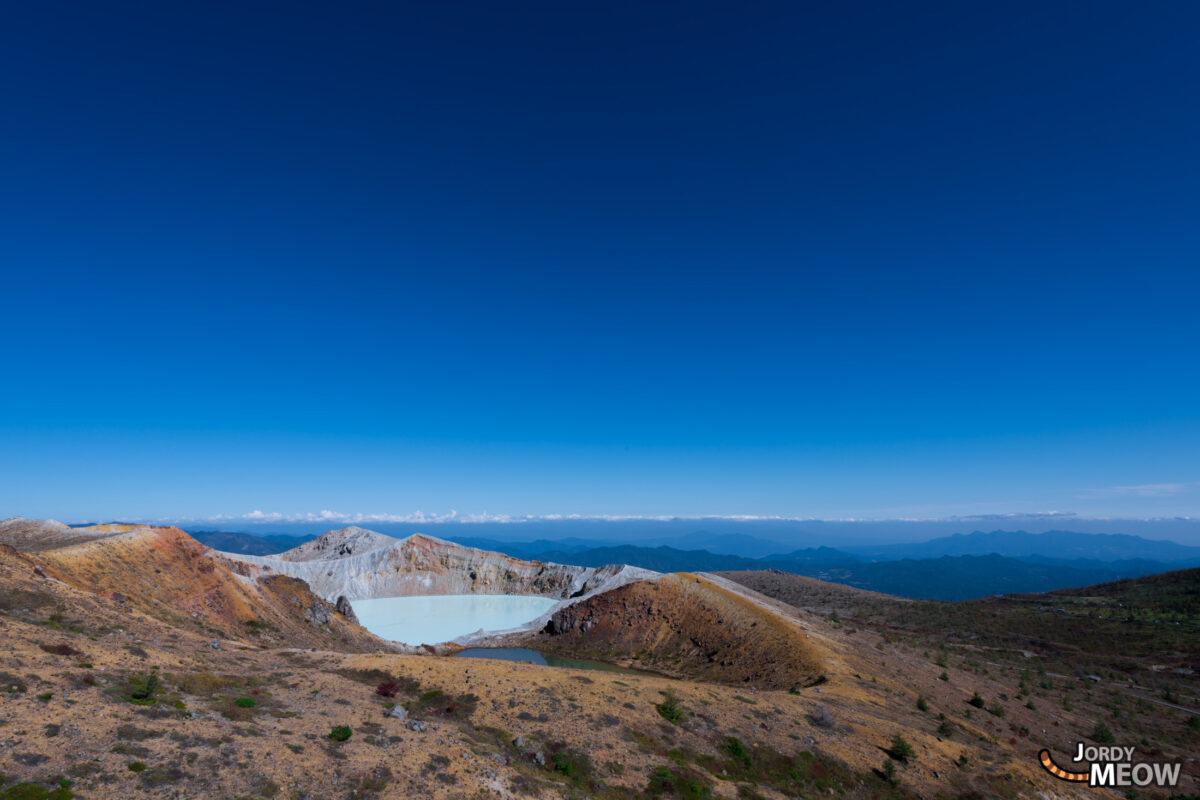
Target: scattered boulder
x,y
343,607
397,712
318,612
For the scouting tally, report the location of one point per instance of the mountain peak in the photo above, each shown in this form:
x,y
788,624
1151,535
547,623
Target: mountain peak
x,y
340,543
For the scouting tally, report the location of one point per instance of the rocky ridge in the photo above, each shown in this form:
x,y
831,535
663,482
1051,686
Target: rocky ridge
x,y
357,564
37,535
340,543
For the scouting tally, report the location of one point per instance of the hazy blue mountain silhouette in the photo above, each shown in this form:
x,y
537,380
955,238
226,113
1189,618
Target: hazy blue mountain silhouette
x,y
248,543
1052,544
963,577
1078,559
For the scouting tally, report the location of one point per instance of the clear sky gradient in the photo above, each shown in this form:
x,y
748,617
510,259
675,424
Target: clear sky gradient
x,y
796,259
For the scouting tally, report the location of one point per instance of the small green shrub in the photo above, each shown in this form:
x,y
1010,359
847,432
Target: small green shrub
x,y
45,696
1102,734
137,766
559,762
921,704
341,733
142,689
670,709
889,770
661,781
976,700
737,751
245,702
31,791
572,765
665,781
901,750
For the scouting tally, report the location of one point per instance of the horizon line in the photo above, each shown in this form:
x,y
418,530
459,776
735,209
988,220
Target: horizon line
x,y
258,517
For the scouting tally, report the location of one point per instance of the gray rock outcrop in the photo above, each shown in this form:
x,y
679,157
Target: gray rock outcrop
x,y
424,565
341,543
342,606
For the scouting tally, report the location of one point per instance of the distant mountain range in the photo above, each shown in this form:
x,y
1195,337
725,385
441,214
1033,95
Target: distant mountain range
x,y
1052,544
958,567
944,578
247,543
965,577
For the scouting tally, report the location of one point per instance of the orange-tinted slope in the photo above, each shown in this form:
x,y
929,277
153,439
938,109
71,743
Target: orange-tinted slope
x,y
166,573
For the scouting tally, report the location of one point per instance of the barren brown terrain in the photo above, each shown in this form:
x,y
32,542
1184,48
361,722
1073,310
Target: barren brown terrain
x,y
1106,664
142,665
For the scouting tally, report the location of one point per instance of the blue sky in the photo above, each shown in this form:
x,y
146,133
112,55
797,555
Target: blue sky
x,y
803,260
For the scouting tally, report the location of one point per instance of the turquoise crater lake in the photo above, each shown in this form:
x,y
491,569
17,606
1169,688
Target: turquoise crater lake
x,y
432,619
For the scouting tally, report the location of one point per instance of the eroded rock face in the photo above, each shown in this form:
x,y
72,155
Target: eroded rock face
x,y
362,564
337,544
318,612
